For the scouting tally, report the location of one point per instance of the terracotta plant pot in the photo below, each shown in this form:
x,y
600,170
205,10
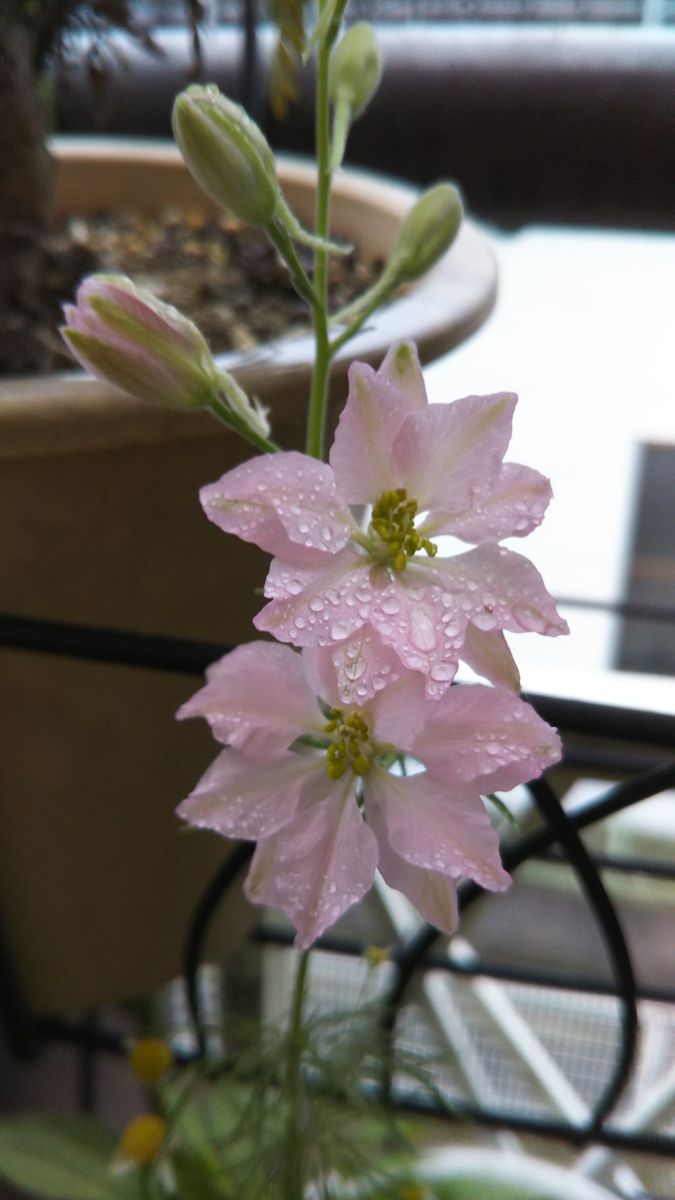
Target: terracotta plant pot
x,y
101,526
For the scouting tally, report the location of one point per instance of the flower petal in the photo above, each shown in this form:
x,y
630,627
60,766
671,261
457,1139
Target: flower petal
x,y
364,666
487,652
409,615
514,508
485,735
257,699
320,864
317,604
449,456
285,503
239,797
361,454
433,894
436,827
401,368
497,589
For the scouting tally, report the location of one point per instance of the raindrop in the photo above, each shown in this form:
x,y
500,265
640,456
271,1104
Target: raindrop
x,y
422,631
442,672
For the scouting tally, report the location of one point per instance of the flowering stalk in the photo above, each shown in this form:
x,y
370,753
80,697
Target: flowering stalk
x,y
316,416
293,1164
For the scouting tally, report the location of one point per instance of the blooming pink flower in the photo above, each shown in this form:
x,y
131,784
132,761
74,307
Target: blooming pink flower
x,y
423,471
311,780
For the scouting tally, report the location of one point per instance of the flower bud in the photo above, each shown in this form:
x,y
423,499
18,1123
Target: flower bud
x,y
355,69
128,337
426,233
227,154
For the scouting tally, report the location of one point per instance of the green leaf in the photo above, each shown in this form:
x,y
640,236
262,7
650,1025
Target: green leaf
x,y
63,1158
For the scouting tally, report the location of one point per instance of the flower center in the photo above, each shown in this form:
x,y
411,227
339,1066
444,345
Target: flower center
x,y
393,521
350,747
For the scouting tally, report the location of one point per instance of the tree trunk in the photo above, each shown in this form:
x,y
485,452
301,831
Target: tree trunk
x,y
25,169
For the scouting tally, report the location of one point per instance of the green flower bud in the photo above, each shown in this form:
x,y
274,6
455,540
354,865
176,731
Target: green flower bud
x,y
355,69
426,233
227,154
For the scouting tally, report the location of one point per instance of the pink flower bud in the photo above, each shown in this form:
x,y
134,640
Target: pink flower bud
x,y
127,337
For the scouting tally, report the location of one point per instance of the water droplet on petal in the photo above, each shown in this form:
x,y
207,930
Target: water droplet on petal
x,y
442,672
422,630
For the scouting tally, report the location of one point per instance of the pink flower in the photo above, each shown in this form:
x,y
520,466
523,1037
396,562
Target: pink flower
x,y
311,780
423,471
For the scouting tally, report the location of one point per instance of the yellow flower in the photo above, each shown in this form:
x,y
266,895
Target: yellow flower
x,y
149,1059
142,1139
376,955
412,1191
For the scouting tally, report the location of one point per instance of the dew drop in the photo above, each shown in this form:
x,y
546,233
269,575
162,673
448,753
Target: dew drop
x,y
442,672
422,630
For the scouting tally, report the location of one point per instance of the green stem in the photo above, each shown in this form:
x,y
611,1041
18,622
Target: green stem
x,y
293,1157
373,300
220,410
281,240
316,417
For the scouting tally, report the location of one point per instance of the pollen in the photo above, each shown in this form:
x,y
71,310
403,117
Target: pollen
x,y
393,521
350,748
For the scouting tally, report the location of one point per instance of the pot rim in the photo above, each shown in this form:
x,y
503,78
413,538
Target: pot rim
x,y
440,310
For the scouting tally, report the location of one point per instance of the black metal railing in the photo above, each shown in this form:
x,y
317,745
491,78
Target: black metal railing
x,y
652,738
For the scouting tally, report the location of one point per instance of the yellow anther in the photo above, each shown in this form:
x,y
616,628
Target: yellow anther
x,y
393,523
142,1138
350,747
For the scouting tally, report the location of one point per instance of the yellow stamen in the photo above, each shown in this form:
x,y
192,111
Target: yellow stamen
x,y
393,521
351,748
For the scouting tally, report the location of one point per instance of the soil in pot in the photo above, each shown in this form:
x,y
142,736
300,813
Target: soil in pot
x,y
223,275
